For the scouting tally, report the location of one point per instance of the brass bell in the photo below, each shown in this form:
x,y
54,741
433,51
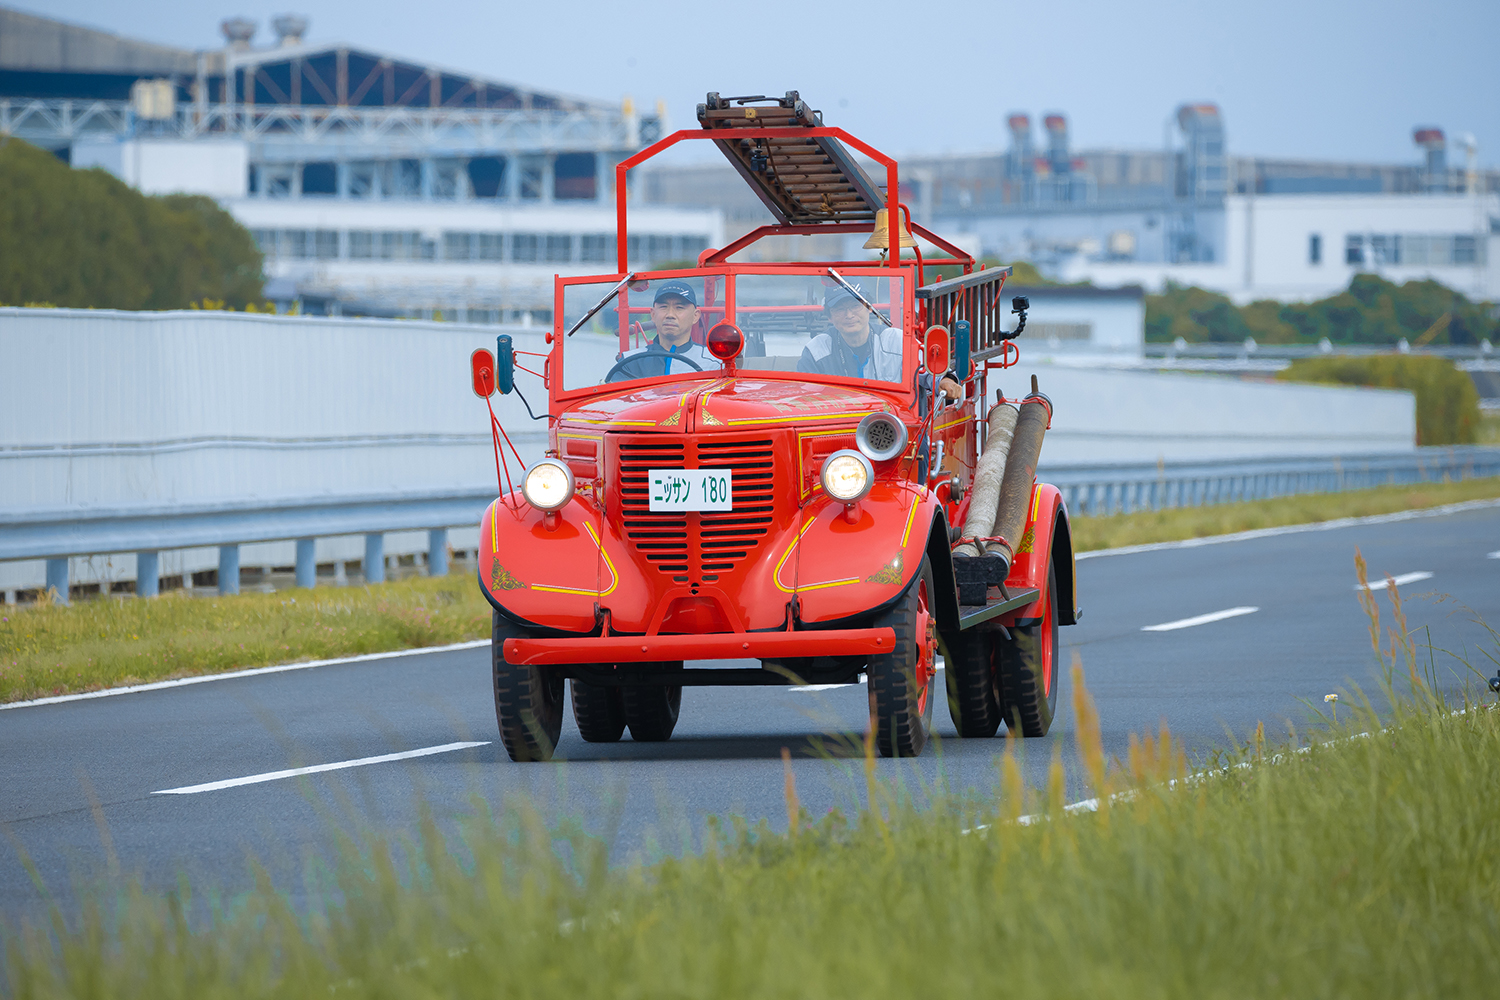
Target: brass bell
x,y
880,239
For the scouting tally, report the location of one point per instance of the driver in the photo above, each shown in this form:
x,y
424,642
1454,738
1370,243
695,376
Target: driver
x,y
674,313
848,348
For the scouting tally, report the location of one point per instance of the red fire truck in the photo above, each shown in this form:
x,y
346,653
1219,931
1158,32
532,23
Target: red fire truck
x,y
782,473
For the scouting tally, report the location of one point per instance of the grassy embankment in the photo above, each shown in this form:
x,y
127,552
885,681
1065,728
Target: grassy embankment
x,y
105,643
1364,867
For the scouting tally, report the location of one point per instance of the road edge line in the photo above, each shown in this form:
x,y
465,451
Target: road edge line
x,y
1291,529
232,674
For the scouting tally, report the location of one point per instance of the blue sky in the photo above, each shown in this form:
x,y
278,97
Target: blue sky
x,y
1322,79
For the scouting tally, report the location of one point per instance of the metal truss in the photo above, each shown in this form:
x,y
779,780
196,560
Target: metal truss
x,y
55,123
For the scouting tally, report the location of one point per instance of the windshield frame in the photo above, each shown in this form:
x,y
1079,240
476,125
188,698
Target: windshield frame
x,y
904,318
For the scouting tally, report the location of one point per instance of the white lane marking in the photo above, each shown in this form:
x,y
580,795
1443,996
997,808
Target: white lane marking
x,y
1292,529
863,679
1401,581
251,672
1212,616
255,779
1493,555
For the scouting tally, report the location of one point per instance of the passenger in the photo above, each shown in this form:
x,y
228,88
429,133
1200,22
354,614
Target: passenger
x,y
849,348
674,313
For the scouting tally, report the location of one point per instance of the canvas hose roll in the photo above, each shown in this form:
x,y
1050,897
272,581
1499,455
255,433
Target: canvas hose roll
x,y
1020,475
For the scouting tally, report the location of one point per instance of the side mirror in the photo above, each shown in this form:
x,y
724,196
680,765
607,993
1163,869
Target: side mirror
x,y
937,351
482,371
505,364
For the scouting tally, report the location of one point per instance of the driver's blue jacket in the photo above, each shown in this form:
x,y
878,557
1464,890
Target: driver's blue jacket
x,y
690,350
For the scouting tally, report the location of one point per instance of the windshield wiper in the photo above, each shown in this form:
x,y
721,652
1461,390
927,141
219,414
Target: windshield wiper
x,y
601,304
855,292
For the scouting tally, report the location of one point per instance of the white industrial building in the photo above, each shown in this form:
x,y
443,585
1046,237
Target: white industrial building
x,y
373,183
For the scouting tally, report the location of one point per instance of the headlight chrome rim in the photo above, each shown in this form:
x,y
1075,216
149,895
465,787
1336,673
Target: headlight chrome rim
x,y
556,504
864,464
877,424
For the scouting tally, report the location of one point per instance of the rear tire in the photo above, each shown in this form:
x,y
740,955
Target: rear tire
x,y
901,681
973,700
599,711
528,699
1026,669
651,710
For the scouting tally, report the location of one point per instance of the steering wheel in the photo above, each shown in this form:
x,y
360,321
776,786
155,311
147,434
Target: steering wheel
x,y
653,352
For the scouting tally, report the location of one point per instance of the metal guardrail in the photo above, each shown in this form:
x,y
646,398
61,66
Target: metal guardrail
x,y
1096,490
57,535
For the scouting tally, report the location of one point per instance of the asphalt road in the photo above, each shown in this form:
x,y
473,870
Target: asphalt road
x,y
78,780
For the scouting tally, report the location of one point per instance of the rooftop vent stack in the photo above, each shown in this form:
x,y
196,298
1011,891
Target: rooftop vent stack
x,y
237,32
1018,166
1205,164
290,28
1057,144
1435,145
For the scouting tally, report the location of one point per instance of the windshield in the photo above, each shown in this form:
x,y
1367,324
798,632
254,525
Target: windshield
x,y
812,323
661,322
820,325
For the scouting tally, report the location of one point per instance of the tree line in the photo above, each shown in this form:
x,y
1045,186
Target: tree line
x,y
1371,310
85,239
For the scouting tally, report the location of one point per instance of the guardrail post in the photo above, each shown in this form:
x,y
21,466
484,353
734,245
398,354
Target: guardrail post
x,y
57,579
437,552
375,558
147,574
229,569
307,563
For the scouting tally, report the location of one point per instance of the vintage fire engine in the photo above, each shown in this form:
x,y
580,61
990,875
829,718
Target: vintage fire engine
x,y
792,463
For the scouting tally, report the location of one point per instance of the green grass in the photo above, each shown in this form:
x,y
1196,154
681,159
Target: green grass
x,y
1200,522
1364,867
47,650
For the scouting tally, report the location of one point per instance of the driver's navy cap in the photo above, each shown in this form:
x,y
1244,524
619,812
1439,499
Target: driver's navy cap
x,y
681,289
838,295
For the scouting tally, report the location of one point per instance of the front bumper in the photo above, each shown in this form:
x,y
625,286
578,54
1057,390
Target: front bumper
x,y
716,646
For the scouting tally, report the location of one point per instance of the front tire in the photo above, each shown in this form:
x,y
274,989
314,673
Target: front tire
x,y
901,681
651,710
528,699
599,711
1026,669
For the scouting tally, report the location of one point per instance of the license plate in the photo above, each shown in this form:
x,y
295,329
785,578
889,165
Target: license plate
x,y
691,489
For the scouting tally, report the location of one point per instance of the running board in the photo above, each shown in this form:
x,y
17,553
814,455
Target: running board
x,y
973,615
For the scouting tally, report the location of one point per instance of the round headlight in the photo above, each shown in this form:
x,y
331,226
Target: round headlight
x,y
548,484
880,436
847,476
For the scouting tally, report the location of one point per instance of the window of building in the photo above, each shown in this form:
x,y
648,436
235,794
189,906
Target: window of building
x,y
491,246
265,239
1465,250
523,247
456,246
530,178
361,245
320,178
400,246
594,248
1354,249
487,176
658,248
559,248
325,244
294,244
1315,249
573,177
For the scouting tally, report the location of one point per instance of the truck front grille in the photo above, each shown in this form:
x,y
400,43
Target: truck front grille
x,y
696,547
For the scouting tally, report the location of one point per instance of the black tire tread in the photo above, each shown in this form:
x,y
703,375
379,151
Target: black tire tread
x,y
973,701
528,699
899,730
599,711
651,710
1026,708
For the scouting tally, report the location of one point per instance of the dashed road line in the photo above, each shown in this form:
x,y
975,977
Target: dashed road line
x,y
255,779
1401,581
1212,616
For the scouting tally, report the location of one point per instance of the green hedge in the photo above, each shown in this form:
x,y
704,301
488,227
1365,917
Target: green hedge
x,y
1447,402
85,239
